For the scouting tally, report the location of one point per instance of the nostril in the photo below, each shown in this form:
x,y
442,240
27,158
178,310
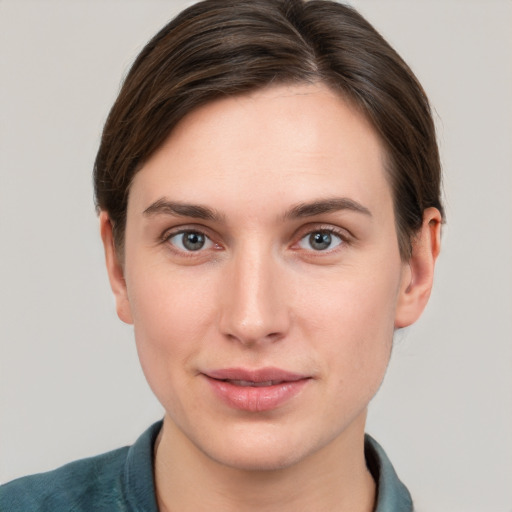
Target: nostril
x,y
248,340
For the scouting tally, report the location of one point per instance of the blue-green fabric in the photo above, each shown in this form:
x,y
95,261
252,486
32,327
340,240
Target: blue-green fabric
x,y
122,481
392,495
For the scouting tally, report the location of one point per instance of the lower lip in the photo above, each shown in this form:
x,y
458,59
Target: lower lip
x,y
256,399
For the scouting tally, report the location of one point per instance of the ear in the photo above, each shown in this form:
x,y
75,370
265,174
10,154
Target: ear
x,y
418,272
115,270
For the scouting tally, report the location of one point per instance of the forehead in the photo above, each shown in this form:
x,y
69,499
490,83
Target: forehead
x,y
280,144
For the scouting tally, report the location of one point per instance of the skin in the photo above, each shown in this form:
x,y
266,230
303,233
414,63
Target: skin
x,y
260,293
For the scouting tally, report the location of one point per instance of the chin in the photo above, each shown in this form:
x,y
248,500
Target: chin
x,y
260,458
262,448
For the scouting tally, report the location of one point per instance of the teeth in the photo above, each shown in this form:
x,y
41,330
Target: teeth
x,y
246,383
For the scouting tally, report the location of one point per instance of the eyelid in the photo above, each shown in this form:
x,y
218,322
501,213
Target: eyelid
x,y
343,233
185,228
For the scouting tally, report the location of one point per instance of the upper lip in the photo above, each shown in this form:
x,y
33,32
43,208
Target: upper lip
x,y
255,375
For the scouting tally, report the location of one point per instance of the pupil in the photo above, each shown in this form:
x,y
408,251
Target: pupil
x,y
320,241
193,241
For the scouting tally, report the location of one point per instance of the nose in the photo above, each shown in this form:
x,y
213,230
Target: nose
x,y
255,309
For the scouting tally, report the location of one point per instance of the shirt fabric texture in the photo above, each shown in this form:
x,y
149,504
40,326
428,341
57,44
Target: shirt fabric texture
x,y
123,481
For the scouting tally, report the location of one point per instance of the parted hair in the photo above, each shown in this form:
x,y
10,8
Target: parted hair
x,y
218,48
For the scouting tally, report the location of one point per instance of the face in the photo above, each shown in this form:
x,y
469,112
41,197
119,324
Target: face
x,y
262,275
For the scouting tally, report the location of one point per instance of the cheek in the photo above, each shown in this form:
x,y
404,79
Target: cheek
x,y
171,317
167,303
353,321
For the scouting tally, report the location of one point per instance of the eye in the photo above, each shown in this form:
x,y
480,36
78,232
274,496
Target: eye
x,y
190,241
320,240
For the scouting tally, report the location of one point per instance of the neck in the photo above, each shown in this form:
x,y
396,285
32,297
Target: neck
x,y
335,478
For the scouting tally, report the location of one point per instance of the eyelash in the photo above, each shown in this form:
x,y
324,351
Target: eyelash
x,y
343,237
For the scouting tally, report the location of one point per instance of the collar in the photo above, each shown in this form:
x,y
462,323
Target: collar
x,y
139,487
392,495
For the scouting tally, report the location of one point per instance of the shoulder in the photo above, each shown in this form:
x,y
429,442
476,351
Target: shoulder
x,y
87,484
120,480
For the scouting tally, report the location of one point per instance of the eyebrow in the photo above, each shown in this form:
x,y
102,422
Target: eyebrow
x,y
326,206
166,207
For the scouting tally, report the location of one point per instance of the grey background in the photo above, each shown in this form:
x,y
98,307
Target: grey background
x,y
70,384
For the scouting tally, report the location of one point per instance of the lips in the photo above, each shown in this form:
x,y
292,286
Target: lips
x,y
250,383
255,390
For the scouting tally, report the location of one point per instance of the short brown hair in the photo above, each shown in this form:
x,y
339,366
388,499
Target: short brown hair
x,y
228,47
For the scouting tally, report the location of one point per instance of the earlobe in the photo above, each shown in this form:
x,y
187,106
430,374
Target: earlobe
x,y
418,272
115,270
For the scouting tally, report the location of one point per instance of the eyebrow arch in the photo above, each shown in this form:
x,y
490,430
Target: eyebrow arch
x,y
326,206
167,207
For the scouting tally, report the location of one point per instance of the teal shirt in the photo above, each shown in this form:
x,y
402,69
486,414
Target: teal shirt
x,y
123,480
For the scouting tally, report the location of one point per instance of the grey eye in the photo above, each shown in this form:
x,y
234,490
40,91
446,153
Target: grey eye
x,y
320,241
190,241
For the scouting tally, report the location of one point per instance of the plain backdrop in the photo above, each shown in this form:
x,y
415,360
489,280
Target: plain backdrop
x,y
70,380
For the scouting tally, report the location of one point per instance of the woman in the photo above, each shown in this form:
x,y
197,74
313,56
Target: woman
x,y
268,190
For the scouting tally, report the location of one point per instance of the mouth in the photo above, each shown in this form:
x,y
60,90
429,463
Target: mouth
x,y
255,390
252,384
